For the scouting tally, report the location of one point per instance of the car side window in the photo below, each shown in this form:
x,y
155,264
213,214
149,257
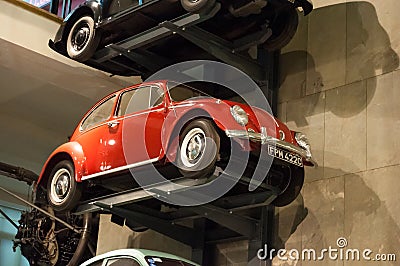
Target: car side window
x,y
100,114
122,262
156,96
140,99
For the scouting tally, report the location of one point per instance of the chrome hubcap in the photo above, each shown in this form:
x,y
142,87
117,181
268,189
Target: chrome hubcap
x,y
192,147
195,147
81,37
60,185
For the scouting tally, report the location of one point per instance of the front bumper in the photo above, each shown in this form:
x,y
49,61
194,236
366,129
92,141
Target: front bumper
x,y
263,138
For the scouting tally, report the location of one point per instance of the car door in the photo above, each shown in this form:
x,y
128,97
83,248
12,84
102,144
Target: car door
x,y
134,134
94,128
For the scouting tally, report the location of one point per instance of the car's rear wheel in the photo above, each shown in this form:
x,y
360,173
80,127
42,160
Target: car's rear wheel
x,y
63,192
283,27
197,6
198,150
82,39
293,188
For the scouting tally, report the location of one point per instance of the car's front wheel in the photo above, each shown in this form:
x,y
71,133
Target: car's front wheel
x,y
63,192
198,150
293,188
82,39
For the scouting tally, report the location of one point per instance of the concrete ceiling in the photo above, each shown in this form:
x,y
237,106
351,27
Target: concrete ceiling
x,y
41,101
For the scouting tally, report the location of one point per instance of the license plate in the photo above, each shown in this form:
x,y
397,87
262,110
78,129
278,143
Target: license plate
x,y
285,156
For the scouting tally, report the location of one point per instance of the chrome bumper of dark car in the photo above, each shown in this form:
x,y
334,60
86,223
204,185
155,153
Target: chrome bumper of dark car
x,y
263,138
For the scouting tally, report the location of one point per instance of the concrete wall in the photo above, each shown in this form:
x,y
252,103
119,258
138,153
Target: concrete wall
x,y
343,92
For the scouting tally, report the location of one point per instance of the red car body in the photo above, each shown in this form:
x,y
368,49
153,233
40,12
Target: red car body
x,y
99,150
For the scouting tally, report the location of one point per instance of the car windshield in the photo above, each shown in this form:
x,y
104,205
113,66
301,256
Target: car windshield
x,y
160,261
181,92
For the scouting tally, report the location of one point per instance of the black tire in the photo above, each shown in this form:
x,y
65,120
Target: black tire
x,y
197,6
83,39
63,192
204,143
284,26
293,189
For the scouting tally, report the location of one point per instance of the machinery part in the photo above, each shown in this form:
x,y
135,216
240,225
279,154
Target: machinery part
x,y
197,6
44,241
198,149
63,192
82,39
283,26
293,189
18,173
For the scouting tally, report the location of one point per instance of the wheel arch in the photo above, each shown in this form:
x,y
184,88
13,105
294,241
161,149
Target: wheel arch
x,y
70,151
44,176
182,122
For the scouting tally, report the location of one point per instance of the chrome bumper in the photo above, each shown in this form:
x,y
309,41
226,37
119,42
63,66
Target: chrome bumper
x,y
263,138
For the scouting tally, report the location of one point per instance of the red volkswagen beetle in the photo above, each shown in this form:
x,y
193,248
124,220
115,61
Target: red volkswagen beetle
x,y
164,123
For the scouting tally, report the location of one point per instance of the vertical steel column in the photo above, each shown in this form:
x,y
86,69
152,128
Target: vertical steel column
x,y
198,250
54,6
270,86
264,239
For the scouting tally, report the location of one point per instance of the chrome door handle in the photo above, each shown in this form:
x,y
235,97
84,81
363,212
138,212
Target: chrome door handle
x,y
113,124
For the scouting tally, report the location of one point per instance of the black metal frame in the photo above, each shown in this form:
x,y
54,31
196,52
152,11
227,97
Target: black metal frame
x,y
228,213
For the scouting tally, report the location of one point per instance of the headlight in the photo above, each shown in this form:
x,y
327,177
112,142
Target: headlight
x,y
239,115
303,142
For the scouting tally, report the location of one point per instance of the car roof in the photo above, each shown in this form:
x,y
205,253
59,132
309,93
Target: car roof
x,y
136,253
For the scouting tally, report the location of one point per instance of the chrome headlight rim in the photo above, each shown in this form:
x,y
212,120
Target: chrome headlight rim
x,y
240,115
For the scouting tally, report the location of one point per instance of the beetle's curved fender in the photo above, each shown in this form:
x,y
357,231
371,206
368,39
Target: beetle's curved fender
x,y
69,151
216,111
94,6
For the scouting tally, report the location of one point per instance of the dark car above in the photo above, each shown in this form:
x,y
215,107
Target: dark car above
x,y
95,25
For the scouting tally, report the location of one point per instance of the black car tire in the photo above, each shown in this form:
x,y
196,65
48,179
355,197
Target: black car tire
x,y
293,189
202,138
197,6
283,27
63,192
82,39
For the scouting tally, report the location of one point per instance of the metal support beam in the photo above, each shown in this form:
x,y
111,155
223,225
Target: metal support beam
x,y
136,57
264,238
41,210
218,48
243,225
180,233
198,251
153,34
8,219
